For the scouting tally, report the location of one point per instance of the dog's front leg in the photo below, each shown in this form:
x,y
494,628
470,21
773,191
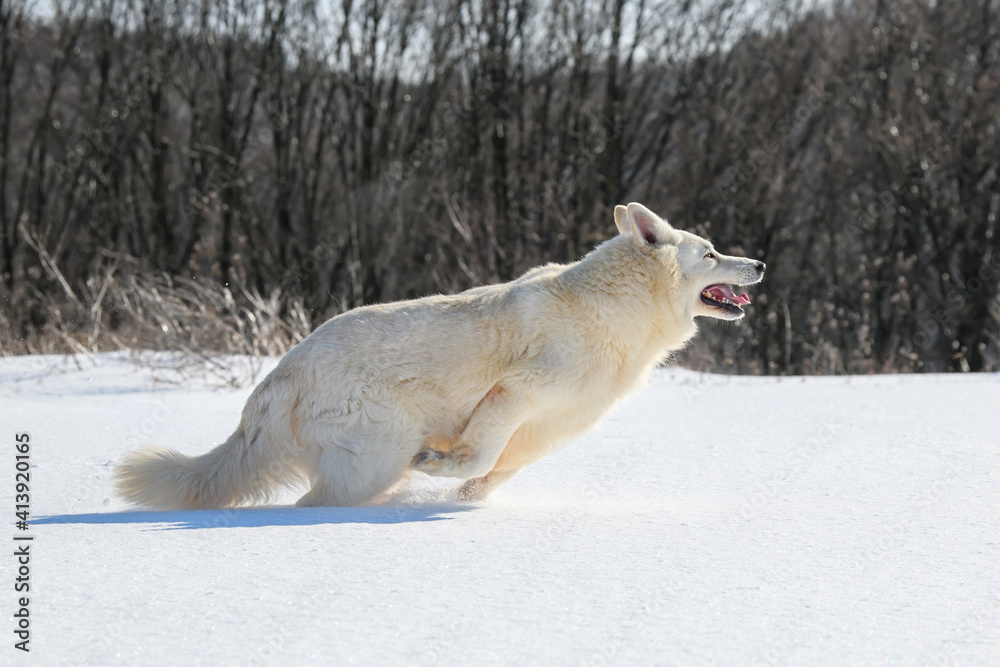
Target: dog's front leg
x,y
479,446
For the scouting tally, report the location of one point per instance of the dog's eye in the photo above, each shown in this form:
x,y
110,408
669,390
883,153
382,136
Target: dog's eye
x,y
709,255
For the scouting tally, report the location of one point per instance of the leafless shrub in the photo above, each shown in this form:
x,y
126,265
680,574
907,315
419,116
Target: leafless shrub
x,y
201,324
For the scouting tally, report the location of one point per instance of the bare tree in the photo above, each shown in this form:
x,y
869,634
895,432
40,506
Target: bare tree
x,y
385,149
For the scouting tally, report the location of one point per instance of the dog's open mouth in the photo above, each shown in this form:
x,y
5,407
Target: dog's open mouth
x,y
722,297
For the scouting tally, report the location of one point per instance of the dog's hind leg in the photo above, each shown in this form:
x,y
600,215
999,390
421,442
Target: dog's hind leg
x,y
356,465
345,477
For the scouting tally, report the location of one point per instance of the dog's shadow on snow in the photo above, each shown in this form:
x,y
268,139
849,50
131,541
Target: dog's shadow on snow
x,y
257,517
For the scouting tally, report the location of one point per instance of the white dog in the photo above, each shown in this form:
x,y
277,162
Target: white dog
x,y
475,386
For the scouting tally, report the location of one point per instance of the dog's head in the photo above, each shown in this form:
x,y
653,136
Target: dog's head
x,y
706,274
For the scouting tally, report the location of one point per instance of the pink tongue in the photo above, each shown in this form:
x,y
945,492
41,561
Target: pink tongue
x,y
723,290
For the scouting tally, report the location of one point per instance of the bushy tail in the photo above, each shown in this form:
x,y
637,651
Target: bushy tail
x,y
261,455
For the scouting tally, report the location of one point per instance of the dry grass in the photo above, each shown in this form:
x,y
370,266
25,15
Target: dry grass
x,y
203,324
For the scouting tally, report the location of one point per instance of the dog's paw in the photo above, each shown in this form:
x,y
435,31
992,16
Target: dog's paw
x,y
455,463
472,490
426,456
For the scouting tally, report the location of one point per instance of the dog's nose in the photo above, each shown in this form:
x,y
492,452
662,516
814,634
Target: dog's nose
x,y
760,267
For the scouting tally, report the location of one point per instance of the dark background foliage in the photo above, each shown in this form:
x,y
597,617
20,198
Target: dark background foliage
x,y
167,166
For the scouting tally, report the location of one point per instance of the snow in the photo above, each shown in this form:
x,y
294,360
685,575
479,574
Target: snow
x,y
707,520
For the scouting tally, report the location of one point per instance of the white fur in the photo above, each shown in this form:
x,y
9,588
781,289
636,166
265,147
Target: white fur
x,y
476,385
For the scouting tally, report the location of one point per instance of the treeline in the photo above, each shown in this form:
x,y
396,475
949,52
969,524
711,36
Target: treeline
x,y
296,159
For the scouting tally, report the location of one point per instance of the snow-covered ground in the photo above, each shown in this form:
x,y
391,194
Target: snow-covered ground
x,y
707,520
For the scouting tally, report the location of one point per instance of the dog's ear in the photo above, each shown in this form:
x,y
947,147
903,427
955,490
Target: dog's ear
x,y
648,228
621,220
